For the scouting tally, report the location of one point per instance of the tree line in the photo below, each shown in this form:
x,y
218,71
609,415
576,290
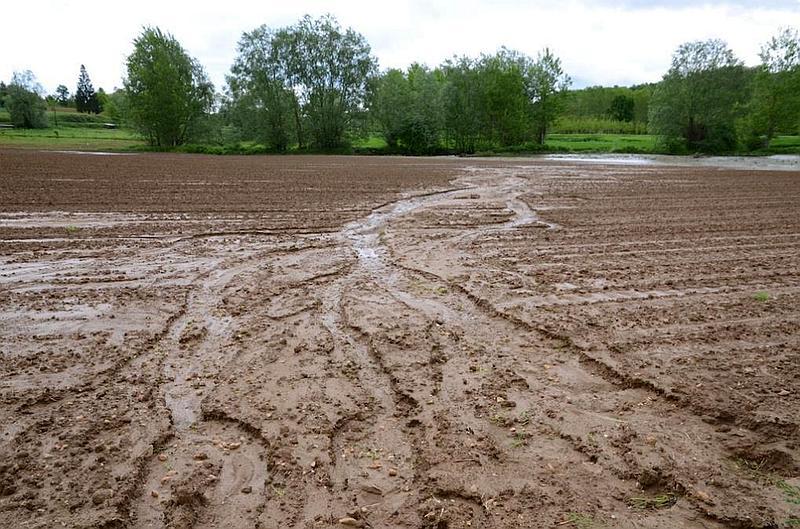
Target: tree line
x,y
314,85
24,99
709,101
607,109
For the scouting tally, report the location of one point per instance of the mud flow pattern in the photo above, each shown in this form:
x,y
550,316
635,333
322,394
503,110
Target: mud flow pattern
x,y
241,342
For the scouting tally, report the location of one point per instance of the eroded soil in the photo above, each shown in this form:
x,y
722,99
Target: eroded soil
x,y
197,342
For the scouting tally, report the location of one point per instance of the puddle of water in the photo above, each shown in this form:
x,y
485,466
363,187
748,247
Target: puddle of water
x,y
64,219
96,153
778,162
602,159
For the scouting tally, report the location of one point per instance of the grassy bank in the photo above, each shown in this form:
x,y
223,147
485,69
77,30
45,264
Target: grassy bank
x,y
70,130
782,145
577,143
71,138
87,136
585,143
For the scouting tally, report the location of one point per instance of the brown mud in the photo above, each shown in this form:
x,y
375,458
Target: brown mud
x,y
234,342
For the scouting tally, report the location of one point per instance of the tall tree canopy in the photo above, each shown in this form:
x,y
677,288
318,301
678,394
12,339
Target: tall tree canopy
x,y
391,100
547,85
775,104
622,108
782,52
117,106
602,102
502,99
263,103
316,81
505,97
311,77
24,102
85,96
462,105
167,90
696,104
329,69
62,95
407,106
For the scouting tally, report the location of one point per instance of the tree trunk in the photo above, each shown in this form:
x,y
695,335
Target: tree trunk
x,y
298,124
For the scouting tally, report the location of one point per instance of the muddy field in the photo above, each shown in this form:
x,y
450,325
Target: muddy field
x,y
304,342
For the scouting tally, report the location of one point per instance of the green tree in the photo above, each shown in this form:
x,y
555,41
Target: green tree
x,y
696,104
782,52
407,107
622,108
391,102
167,90
506,110
641,95
589,102
547,85
503,99
62,95
85,96
422,127
262,102
101,100
603,102
775,103
3,93
24,102
27,80
329,70
117,106
462,104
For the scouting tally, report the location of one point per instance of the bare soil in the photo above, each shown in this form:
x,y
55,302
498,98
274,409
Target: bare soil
x,y
303,342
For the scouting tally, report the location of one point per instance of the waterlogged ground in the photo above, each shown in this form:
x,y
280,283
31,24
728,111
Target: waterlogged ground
x,y
197,342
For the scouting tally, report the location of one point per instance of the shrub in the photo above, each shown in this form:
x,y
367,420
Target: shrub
x,y
25,108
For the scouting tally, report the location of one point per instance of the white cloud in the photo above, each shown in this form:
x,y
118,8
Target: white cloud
x,y
599,42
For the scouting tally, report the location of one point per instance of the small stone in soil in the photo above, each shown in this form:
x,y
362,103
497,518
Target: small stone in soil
x,y
101,495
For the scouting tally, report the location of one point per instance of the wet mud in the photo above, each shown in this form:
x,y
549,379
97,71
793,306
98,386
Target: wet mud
x,y
272,342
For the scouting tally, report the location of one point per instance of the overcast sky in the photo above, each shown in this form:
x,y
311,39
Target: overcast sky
x,y
600,41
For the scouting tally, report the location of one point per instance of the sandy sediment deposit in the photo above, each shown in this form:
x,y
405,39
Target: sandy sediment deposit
x,y
301,342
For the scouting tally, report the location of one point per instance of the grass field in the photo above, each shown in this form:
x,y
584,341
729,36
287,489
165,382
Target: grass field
x,y
574,125
785,145
88,137
639,143
570,142
371,142
70,138
66,117
75,131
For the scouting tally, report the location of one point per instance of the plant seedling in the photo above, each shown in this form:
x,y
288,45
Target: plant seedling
x,y
661,501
